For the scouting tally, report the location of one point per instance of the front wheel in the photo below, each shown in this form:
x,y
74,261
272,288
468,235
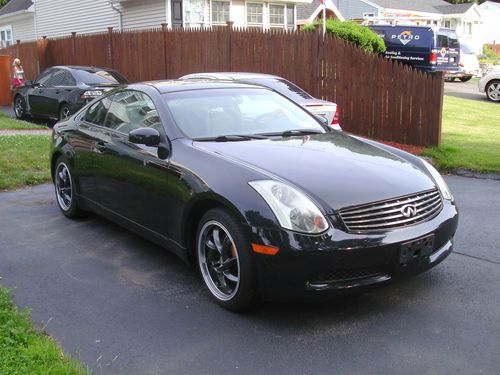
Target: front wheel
x,y
64,184
493,90
225,260
465,78
19,107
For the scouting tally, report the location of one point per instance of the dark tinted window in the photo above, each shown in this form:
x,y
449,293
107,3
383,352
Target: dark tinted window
x,y
131,110
56,79
91,77
453,40
442,40
283,86
98,111
69,80
44,77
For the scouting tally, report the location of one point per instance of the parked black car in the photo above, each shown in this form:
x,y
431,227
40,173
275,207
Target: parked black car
x,y
60,91
427,48
252,188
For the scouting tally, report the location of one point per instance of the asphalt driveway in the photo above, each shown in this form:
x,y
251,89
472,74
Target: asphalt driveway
x,y
465,90
125,306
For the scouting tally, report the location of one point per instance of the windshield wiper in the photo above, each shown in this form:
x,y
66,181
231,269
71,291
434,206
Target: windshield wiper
x,y
290,133
230,138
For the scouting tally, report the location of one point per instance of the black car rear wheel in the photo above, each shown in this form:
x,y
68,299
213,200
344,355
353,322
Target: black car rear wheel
x,y
225,260
64,112
19,107
465,78
65,189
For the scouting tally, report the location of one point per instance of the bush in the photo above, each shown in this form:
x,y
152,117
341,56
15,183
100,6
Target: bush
x,y
360,35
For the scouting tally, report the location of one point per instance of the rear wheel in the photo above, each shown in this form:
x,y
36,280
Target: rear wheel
x,y
493,90
225,260
64,112
19,107
65,189
465,78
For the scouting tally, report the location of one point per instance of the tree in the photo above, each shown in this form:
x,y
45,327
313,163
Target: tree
x,y
3,2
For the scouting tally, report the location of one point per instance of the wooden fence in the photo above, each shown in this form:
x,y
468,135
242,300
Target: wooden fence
x,y
378,98
495,48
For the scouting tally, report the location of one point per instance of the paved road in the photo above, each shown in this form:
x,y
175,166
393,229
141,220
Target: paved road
x,y
125,306
466,90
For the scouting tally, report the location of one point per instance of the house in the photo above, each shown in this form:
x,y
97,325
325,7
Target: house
x,y
307,13
464,18
27,20
16,22
490,13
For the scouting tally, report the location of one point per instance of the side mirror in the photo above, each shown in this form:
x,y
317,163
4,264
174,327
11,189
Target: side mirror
x,y
145,136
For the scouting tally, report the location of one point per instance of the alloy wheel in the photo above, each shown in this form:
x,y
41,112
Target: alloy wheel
x,y
64,190
218,260
64,113
493,91
19,107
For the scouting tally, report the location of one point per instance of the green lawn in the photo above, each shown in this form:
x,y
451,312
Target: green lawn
x,y
6,123
23,350
24,160
470,136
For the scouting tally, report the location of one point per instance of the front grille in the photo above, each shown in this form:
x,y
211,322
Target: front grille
x,y
344,275
388,214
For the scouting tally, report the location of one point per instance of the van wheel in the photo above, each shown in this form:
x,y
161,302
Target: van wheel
x,y
465,78
493,90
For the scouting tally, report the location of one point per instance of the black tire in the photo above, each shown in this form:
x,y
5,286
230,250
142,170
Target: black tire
x,y
64,185
219,274
493,90
19,107
64,112
465,78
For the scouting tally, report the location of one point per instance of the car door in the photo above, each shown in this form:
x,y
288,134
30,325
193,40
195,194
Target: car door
x,y
52,93
132,179
36,95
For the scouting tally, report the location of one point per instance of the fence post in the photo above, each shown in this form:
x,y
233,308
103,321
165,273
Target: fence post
x,y
41,46
164,28
110,47
315,49
73,39
439,77
230,45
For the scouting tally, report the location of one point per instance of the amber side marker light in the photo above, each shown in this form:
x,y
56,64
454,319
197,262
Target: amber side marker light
x,y
267,250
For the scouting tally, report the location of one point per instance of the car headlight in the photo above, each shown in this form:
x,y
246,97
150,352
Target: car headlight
x,y
293,209
443,187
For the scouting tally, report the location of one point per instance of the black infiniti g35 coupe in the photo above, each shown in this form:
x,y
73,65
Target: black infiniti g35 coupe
x,y
60,91
258,193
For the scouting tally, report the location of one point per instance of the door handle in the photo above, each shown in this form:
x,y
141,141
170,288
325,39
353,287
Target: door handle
x,y
58,91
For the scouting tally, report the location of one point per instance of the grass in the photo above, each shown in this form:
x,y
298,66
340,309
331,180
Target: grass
x,y
23,350
6,123
24,160
470,136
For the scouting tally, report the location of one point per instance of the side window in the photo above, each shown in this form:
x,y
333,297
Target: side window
x,y
56,79
98,111
68,80
442,40
131,110
44,77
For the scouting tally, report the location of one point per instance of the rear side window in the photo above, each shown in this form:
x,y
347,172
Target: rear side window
x,y
57,78
98,111
453,40
103,77
283,86
442,40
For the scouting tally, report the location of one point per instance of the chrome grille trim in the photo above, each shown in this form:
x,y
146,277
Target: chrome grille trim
x,y
387,214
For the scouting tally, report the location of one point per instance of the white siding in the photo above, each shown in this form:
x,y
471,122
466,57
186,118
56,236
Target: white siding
x,y
61,17
237,13
143,14
23,29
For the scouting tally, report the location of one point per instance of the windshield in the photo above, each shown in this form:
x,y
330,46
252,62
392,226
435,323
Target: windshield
x,y
218,112
106,77
284,87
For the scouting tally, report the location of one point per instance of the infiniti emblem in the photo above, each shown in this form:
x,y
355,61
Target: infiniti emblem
x,y
409,210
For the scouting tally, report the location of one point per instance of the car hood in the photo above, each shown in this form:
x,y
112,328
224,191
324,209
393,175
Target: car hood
x,y
336,170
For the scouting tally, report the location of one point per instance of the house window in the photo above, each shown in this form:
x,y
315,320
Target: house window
x,y
447,24
5,36
220,12
254,14
194,13
277,15
290,17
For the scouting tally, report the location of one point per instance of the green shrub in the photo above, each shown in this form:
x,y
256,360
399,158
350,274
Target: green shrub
x,y
360,35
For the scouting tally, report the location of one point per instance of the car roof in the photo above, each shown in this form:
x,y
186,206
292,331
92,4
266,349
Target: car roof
x,y
167,86
93,69
231,75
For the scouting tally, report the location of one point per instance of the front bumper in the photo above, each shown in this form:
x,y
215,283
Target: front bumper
x,y
336,263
